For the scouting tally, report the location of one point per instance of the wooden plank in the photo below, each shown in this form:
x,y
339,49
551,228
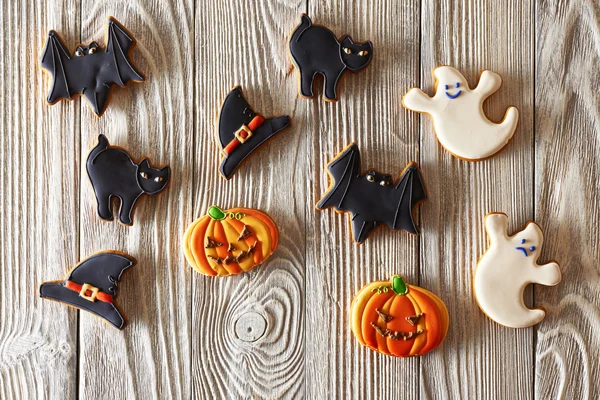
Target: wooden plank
x,y
479,359
151,357
566,197
248,329
39,193
368,112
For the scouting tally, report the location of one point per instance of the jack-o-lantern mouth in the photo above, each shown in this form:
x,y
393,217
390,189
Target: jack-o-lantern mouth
x,y
395,335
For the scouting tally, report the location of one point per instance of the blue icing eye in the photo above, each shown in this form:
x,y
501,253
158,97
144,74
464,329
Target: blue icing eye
x,y
532,248
446,87
457,84
522,241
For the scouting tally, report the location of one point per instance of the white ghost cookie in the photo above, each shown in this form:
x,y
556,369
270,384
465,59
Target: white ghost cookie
x,y
458,118
506,268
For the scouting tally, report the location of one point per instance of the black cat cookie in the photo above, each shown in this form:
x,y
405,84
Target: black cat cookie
x,y
316,50
113,173
372,198
92,286
92,71
242,131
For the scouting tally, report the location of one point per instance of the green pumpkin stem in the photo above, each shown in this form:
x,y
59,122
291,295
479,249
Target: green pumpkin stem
x,y
216,213
399,286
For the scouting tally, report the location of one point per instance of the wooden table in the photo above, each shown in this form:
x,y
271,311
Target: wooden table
x,y
282,330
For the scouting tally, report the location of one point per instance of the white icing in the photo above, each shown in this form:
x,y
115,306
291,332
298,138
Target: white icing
x,y
460,123
504,271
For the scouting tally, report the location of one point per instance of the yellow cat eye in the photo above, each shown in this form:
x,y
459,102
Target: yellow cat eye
x,y
347,50
363,53
158,179
144,175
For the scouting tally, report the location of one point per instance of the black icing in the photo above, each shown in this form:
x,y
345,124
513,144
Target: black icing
x,y
91,71
236,112
370,202
103,271
316,50
113,173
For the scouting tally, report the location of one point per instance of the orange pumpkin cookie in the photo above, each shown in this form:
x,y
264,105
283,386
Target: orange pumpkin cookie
x,y
224,243
397,319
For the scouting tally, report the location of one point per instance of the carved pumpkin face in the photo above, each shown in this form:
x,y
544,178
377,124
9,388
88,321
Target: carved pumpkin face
x,y
397,319
230,242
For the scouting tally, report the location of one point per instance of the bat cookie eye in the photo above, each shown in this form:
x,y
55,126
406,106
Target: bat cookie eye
x,y
79,53
370,178
92,50
363,53
347,50
144,175
384,183
158,179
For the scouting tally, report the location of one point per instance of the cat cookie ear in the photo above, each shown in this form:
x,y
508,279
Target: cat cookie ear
x,y
346,40
144,163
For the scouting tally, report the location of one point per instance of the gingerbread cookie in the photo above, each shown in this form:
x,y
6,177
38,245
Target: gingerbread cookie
x,y
92,71
373,199
458,118
92,286
242,131
230,242
316,50
506,268
397,319
113,173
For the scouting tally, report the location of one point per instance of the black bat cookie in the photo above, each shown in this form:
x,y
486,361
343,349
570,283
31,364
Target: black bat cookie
x,y
113,173
316,50
93,70
372,198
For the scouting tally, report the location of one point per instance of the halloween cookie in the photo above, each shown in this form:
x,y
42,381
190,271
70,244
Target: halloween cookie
x,y
242,131
316,50
373,198
458,118
506,268
113,173
92,286
230,242
397,319
92,71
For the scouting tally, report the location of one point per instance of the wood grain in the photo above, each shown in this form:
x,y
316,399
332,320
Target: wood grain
x,y
244,43
566,192
151,357
283,330
368,113
39,193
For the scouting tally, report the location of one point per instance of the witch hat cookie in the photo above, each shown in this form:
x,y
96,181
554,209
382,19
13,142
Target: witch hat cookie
x,y
241,131
92,286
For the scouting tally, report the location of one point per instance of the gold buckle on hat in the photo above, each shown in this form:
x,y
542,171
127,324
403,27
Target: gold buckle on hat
x,y
238,133
84,290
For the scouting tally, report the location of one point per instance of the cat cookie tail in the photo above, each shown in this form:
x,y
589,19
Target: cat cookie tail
x,y
305,23
101,146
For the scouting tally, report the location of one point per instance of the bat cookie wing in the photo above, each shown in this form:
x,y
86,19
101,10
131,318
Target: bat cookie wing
x,y
54,57
412,192
119,44
342,170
